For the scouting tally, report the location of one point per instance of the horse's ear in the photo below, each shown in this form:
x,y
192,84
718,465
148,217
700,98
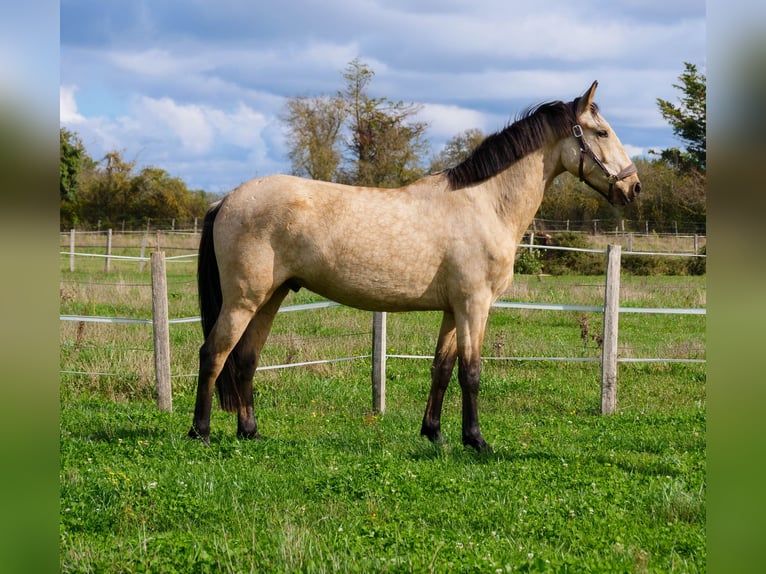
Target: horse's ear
x,y
584,103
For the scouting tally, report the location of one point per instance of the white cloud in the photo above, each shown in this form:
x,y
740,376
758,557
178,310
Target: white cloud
x,y
154,62
200,89
445,121
188,124
634,151
68,113
200,128
198,140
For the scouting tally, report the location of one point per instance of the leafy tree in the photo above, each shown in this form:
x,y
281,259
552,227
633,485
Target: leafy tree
x,y
457,149
688,120
313,137
354,138
73,161
107,197
71,153
385,145
110,191
158,195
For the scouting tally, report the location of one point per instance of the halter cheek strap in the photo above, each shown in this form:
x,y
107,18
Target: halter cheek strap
x,y
585,149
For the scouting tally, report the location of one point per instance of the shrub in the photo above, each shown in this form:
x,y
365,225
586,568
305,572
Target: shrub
x,y
653,265
698,265
557,262
528,262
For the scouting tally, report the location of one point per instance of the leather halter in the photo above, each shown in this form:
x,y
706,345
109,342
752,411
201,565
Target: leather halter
x,y
585,149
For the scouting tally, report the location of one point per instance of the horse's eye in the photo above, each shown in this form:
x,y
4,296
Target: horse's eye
x,y
602,134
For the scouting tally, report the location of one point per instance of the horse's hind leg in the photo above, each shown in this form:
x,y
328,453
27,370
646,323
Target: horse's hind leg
x,y
248,352
228,329
441,372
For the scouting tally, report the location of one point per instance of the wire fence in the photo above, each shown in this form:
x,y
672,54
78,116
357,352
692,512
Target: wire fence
x,y
360,349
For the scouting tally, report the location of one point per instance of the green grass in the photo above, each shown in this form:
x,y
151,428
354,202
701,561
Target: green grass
x,y
331,487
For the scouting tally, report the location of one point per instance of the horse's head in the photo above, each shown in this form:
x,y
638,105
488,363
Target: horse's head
x,y
595,155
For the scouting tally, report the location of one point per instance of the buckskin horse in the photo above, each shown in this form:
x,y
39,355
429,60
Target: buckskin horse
x,y
446,243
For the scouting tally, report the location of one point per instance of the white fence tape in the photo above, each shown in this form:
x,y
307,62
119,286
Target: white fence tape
x,y
326,304
523,245
128,257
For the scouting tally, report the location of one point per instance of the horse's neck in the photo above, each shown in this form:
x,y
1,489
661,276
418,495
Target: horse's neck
x,y
520,188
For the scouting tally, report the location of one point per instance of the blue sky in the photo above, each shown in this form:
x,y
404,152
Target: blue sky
x,y
197,88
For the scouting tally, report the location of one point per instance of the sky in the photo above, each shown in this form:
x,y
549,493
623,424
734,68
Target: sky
x,y
198,88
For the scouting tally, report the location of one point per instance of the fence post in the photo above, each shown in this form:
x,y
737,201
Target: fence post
x,y
107,264
379,362
611,316
71,249
144,240
161,332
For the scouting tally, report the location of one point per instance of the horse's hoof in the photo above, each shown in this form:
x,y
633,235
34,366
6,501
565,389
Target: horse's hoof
x,y
435,438
479,444
248,435
433,434
194,434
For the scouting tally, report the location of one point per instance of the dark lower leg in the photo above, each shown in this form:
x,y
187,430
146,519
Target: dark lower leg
x,y
468,375
200,428
441,372
246,426
249,350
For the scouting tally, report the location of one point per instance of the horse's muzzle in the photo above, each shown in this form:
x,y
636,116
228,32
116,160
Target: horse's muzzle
x,y
623,193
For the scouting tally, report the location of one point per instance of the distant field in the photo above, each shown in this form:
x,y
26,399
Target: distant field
x,y
332,487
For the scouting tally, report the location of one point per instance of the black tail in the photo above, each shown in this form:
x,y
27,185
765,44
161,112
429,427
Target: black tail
x,y
210,300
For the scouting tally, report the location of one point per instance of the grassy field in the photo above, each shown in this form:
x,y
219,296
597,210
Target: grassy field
x,y
332,487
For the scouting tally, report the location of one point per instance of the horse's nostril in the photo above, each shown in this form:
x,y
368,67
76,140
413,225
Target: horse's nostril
x,y
637,188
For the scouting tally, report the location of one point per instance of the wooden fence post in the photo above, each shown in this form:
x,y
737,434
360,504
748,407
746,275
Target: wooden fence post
x,y
611,316
107,264
144,240
161,332
71,249
379,362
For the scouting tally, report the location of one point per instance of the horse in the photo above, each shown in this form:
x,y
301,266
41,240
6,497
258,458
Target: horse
x,y
446,242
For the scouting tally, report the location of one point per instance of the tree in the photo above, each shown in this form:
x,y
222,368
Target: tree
x,y
313,136
107,195
70,161
354,138
73,161
457,149
386,146
688,120
112,193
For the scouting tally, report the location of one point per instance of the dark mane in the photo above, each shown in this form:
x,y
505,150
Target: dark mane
x,y
531,129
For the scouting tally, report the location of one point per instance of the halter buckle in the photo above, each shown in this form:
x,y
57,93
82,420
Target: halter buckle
x,y
577,130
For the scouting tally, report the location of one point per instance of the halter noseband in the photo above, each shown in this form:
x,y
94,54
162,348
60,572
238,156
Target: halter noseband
x,y
585,149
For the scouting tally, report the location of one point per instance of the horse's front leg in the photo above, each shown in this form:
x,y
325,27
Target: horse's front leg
x,y
441,372
468,374
470,336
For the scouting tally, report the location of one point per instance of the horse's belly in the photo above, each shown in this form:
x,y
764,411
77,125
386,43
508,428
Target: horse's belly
x,y
375,293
